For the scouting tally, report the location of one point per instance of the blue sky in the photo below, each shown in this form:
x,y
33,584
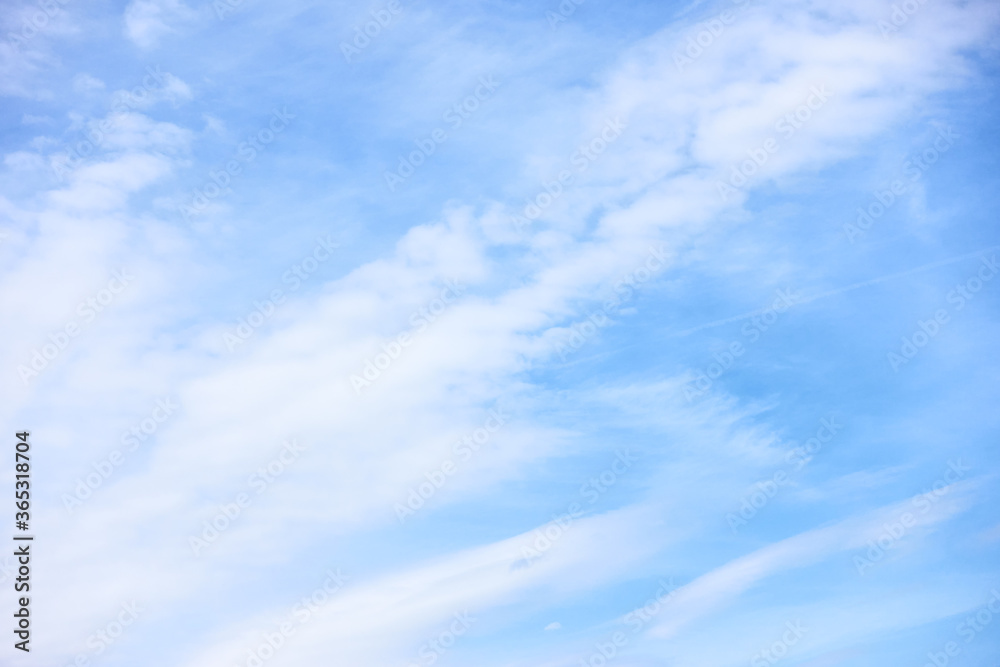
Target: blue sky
x,y
516,335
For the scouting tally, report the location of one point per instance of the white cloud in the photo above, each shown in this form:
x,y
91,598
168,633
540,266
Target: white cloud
x,y
723,585
366,451
29,119
84,83
147,22
24,161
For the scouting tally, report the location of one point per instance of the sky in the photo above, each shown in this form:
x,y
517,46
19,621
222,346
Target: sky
x,y
499,333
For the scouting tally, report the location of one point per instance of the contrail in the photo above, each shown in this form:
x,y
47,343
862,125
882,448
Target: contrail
x,y
841,290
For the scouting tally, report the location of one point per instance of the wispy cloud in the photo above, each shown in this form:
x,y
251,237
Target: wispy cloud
x,y
484,346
